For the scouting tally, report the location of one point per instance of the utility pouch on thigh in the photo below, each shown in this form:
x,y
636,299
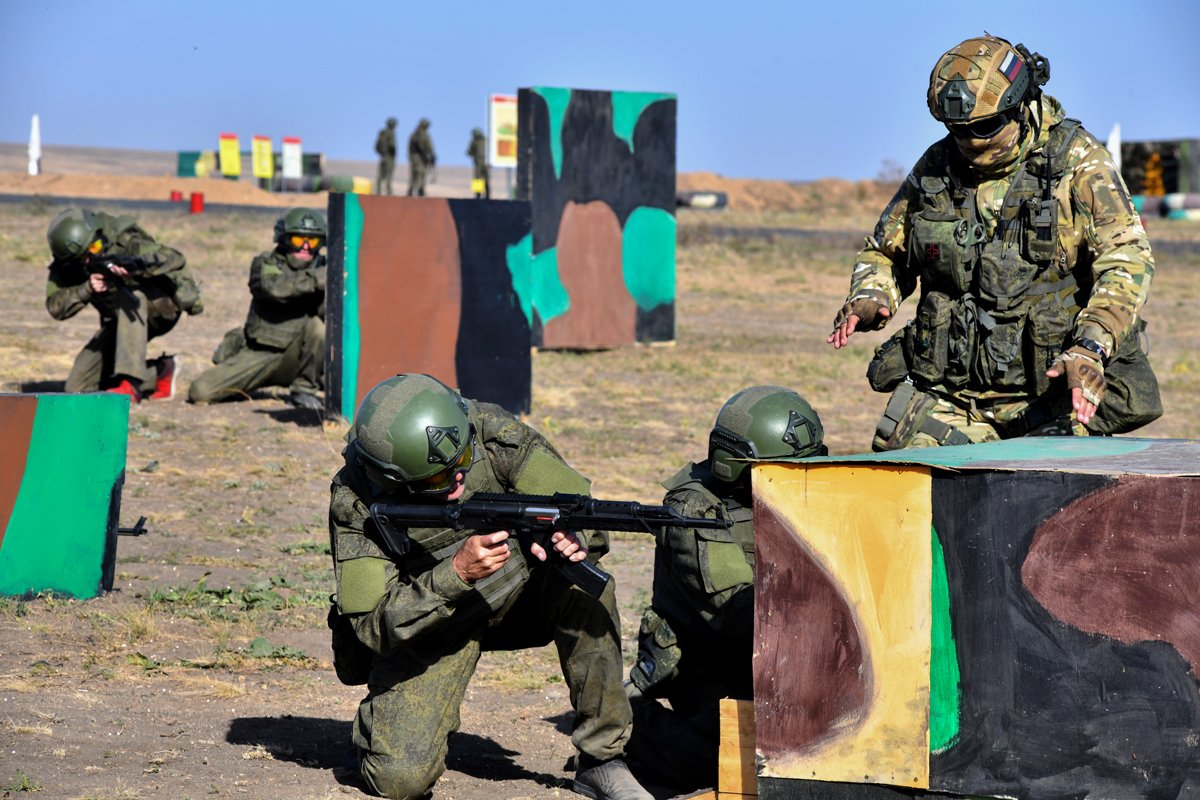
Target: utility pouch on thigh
x,y
658,653
1131,398
931,337
351,658
906,415
890,364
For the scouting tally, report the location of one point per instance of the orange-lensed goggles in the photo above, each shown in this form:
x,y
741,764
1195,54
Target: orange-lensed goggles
x,y
313,242
445,481
96,246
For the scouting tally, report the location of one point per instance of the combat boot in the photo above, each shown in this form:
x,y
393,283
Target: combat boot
x,y
607,780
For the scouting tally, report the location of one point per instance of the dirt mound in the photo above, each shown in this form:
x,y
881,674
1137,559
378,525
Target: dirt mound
x,y
142,187
747,194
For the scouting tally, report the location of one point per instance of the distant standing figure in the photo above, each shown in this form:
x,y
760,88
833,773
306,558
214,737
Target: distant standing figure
x,y
139,287
385,146
420,158
477,150
283,340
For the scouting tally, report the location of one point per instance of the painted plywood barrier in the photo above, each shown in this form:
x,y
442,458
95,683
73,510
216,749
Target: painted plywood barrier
x,y
599,170
61,474
1007,620
428,285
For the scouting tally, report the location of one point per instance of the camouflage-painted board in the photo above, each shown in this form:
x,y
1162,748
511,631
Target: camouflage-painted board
x,y
599,170
1015,619
428,285
61,473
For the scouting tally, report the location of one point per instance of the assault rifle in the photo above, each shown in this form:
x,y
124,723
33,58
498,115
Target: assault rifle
x,y
103,265
534,518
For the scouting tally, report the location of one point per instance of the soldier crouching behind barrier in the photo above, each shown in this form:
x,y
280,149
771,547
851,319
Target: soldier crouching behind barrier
x,y
283,340
697,636
139,287
1033,266
412,626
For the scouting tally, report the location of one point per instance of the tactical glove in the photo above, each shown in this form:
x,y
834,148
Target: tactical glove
x,y
865,305
1084,370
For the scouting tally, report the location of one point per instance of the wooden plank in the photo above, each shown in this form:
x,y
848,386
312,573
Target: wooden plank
x,y
736,776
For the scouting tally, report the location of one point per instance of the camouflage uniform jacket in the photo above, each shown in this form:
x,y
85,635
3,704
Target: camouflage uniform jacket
x,y
704,579
420,148
284,292
385,143
416,604
67,290
1102,265
477,150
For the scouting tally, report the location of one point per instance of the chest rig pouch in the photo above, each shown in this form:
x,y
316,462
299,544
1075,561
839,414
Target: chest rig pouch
x,y
945,240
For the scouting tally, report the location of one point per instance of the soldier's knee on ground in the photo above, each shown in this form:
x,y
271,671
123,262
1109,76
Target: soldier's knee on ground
x,y
201,391
397,779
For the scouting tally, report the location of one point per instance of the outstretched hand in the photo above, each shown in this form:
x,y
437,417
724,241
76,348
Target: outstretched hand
x,y
1085,379
847,323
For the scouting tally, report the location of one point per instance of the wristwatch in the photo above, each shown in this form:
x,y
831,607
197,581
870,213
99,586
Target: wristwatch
x,y
1095,347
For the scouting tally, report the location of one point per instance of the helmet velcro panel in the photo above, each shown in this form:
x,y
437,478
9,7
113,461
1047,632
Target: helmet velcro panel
x,y
976,79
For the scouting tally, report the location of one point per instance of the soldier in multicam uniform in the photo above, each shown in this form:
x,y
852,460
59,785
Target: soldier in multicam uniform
x,y
1032,263
283,340
136,302
697,636
411,626
421,159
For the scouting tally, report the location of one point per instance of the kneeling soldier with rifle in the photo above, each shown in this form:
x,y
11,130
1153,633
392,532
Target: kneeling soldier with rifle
x,y
413,611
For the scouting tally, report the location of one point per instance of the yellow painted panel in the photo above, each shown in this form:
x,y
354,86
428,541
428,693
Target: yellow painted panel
x,y
869,528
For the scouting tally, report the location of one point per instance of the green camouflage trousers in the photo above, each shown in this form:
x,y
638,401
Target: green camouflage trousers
x,y
915,418
412,707
119,347
301,366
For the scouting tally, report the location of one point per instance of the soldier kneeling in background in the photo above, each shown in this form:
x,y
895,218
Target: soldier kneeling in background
x,y
283,340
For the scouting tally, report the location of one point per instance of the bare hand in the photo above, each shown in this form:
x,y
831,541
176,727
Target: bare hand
x,y
481,555
97,283
565,544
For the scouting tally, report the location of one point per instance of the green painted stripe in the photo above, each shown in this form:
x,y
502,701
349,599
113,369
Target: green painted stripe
x,y
519,258
627,109
58,530
557,101
648,256
944,698
351,346
550,298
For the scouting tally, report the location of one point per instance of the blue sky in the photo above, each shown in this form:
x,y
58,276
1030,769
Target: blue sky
x,y
791,90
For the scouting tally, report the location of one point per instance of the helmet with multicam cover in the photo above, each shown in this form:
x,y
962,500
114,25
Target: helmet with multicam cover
x,y
982,78
763,422
412,432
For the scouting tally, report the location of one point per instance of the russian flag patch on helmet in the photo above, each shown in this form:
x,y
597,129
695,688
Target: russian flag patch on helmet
x,y
1011,66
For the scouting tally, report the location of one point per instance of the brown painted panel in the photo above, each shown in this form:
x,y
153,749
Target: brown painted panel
x,y
602,313
410,289
809,657
16,429
1124,562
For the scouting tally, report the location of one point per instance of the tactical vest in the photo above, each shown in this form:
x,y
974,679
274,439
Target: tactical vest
x,y
721,555
274,324
995,311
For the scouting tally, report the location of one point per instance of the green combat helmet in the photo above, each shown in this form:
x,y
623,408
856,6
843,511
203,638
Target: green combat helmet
x,y
300,222
70,233
412,431
984,77
763,422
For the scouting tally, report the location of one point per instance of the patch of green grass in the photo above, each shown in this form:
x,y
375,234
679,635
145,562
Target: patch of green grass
x,y
22,783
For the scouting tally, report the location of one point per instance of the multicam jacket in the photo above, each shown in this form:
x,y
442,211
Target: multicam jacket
x,y
1007,283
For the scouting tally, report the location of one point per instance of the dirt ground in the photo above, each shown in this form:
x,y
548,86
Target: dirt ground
x,y
206,671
